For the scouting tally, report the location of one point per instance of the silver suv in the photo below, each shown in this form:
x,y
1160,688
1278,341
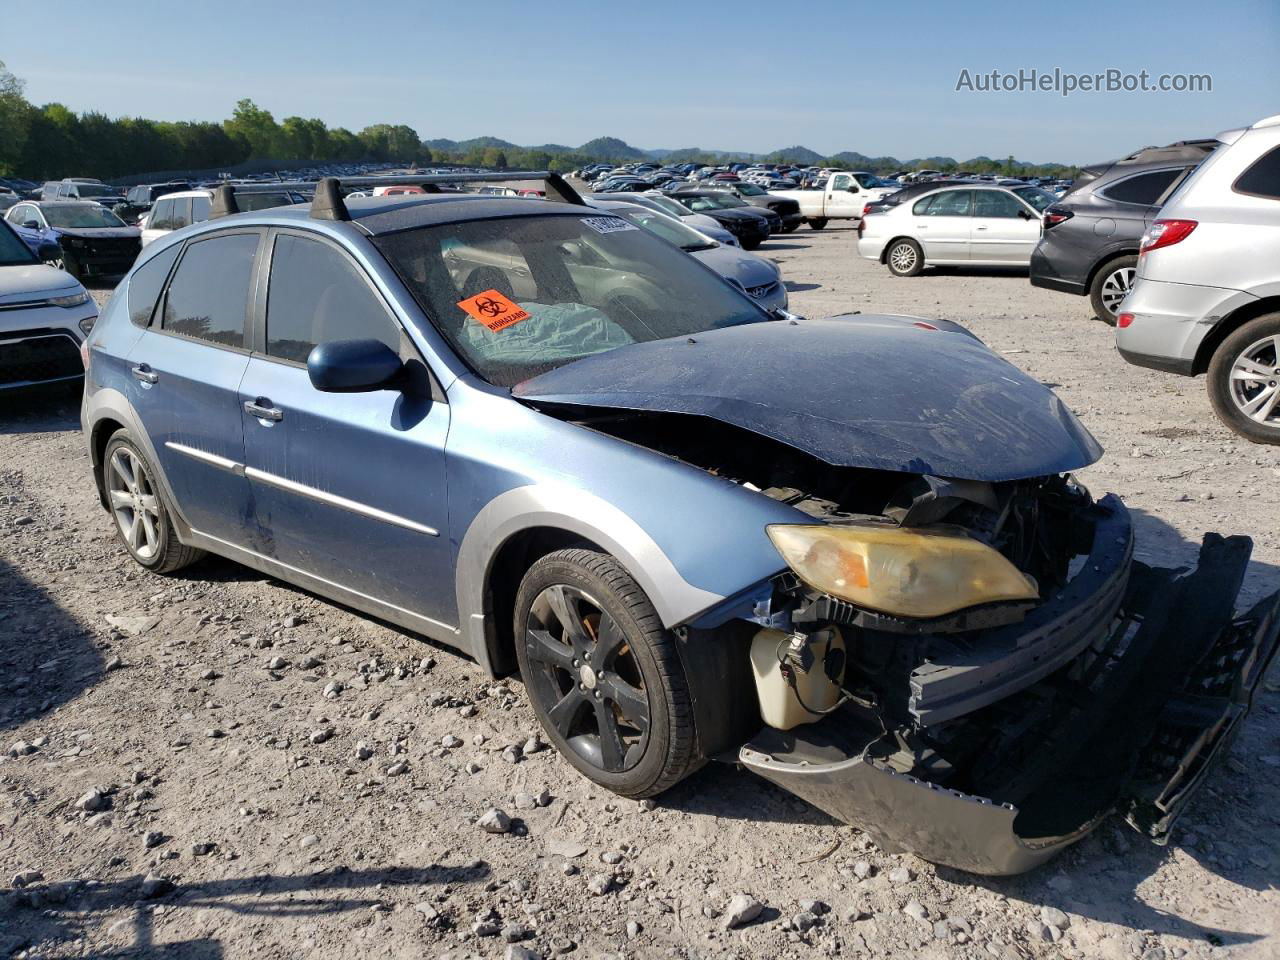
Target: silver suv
x,y
1207,297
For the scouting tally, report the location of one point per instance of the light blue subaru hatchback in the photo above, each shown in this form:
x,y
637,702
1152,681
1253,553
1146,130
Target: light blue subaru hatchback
x,y
847,554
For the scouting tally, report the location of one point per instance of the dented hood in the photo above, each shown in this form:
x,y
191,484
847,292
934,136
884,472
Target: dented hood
x,y
856,391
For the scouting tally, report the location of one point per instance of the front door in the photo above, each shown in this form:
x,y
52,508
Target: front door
x,y
1005,230
346,487
844,197
186,370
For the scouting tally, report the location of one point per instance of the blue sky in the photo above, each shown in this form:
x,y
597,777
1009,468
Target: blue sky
x,y
878,78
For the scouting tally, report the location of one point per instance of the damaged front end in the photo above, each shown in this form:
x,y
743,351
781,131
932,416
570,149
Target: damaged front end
x,y
962,656
991,747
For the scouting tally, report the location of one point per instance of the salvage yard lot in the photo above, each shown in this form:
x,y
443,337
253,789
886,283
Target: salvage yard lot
x,y
239,734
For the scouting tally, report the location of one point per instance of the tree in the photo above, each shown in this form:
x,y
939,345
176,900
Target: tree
x,y
15,121
255,128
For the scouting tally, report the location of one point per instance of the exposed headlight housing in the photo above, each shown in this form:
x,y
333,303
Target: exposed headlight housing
x,y
71,300
86,324
905,573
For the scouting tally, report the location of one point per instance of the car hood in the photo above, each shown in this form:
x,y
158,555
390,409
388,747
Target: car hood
x,y
736,264
735,213
22,283
855,391
99,233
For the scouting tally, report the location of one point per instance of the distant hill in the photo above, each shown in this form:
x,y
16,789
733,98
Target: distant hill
x,y
615,150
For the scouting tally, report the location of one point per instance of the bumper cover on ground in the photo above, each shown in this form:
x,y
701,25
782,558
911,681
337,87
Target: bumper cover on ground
x,y
1160,715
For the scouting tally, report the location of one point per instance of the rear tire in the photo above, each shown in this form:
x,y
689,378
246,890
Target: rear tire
x,y
904,258
139,510
1110,284
817,223
1237,397
603,676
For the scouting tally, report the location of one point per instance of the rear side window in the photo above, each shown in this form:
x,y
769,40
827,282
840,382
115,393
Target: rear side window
x,y
317,295
1145,188
146,283
181,213
199,209
209,296
161,215
949,203
1262,179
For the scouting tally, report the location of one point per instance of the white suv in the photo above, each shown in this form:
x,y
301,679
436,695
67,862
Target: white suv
x,y
1207,296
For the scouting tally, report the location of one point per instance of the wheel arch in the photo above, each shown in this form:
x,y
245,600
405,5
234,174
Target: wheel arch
x,y
884,251
520,525
1229,325
1103,261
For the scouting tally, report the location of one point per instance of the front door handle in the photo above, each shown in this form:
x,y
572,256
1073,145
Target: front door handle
x,y
144,374
263,410
981,226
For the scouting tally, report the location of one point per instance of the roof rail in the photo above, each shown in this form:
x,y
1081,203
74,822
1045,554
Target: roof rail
x,y
330,205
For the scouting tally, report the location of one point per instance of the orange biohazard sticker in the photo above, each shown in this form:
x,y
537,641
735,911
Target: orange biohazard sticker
x,y
493,310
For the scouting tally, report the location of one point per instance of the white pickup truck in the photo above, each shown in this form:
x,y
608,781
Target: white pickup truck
x,y
844,196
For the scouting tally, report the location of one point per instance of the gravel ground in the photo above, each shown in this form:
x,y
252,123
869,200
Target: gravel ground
x,y
219,765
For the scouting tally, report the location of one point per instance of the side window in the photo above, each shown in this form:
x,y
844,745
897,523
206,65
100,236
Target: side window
x,y
1262,179
199,209
145,285
161,215
316,294
1146,188
181,212
950,203
921,209
209,296
996,203
840,183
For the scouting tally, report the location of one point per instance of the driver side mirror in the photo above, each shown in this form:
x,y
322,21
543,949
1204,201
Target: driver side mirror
x,y
31,224
353,366
1025,215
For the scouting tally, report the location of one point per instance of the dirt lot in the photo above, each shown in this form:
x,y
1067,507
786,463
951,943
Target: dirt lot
x,y
220,765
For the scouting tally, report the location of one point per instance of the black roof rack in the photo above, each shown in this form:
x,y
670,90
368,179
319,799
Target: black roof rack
x,y
329,192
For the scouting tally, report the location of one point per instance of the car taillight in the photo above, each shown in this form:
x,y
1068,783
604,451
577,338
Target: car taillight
x,y
1165,233
1054,216
866,208
1123,320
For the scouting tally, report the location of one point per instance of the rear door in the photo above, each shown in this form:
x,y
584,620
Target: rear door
x,y
346,487
1136,200
1004,229
942,224
186,371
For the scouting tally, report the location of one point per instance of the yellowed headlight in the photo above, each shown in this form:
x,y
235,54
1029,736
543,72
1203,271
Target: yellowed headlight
x,y
907,573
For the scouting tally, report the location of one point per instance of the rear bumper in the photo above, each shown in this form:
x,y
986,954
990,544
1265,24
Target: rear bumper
x,y
1160,706
1047,274
871,248
1171,320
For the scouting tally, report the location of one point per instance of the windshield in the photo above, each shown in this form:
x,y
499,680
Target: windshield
x,y
669,229
1039,199
750,190
95,190
722,201
13,252
520,296
83,216
668,206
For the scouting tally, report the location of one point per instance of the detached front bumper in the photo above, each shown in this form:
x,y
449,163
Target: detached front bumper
x,y
1154,701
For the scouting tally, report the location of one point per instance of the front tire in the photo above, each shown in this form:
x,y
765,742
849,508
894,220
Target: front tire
x,y
1111,284
904,258
603,675
1244,380
143,518
817,223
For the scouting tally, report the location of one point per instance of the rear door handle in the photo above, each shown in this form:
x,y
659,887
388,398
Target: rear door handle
x,y
145,374
981,226
263,410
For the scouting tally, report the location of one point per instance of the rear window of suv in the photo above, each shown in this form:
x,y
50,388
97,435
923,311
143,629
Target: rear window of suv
x,y
1262,179
1145,188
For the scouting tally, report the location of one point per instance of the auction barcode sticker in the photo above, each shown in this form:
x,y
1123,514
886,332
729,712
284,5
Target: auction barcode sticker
x,y
608,224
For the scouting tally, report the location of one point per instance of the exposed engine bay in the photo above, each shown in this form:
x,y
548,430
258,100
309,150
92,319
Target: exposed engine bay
x,y
1019,723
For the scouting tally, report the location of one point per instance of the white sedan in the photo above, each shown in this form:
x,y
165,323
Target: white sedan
x,y
961,225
